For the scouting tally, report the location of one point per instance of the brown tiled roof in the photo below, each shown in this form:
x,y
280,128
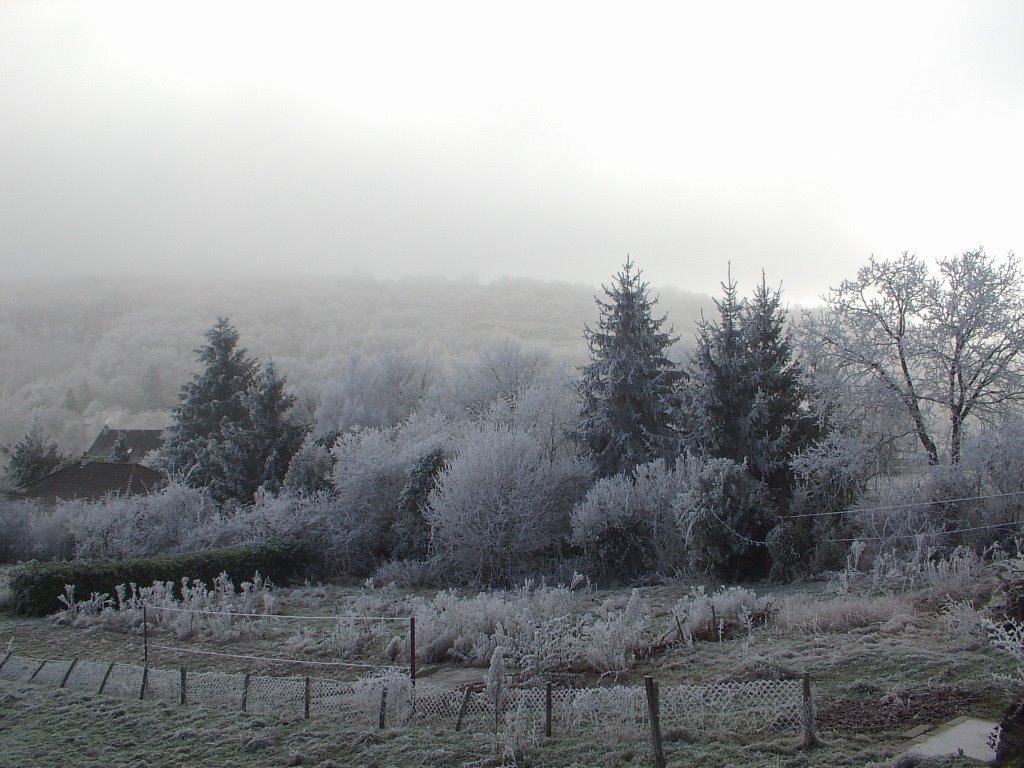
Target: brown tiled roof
x,y
93,480
139,442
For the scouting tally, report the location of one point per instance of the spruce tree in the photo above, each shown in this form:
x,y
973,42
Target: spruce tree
x,y
209,407
34,456
718,390
780,423
256,451
744,400
628,387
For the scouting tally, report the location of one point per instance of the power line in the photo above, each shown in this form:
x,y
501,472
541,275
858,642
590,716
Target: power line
x,y
856,510
930,533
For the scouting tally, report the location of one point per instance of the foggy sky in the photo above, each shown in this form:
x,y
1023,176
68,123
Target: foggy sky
x,y
529,139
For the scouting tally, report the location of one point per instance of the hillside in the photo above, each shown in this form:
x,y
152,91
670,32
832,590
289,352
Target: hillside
x,y
85,353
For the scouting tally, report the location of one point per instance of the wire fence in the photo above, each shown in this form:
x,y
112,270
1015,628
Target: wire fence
x,y
392,699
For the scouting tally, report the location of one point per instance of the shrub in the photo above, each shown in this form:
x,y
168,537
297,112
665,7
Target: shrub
x,y
35,586
501,506
29,531
725,515
626,526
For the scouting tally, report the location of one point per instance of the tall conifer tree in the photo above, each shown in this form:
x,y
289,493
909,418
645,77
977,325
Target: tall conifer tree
x,y
209,407
744,398
628,387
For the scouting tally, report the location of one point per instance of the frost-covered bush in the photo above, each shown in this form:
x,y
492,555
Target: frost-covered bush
x,y
626,526
829,477
501,506
725,515
789,545
29,531
612,640
699,610
965,622
136,526
335,540
833,473
371,470
540,629
958,574
188,609
311,468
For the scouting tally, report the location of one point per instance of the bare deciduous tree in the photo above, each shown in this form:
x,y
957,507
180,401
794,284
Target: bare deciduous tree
x,y
951,344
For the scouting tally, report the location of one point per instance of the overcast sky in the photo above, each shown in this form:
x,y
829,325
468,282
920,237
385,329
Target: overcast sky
x,y
530,139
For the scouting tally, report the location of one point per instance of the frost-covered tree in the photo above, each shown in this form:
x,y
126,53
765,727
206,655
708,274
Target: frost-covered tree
x,y
501,506
209,407
257,450
745,400
34,456
371,473
718,390
950,345
628,387
312,466
412,532
374,391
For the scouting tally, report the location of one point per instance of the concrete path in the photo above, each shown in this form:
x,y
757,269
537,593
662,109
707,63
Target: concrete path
x,y
964,736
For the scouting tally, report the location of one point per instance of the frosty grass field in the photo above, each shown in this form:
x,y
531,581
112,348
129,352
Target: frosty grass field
x,y
882,662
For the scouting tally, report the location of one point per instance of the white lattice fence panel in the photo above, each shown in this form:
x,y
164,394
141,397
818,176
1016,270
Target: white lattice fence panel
x,y
215,689
164,685
617,708
281,696
87,676
125,681
52,673
435,704
20,668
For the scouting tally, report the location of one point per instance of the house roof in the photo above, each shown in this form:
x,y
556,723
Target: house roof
x,y
92,480
138,442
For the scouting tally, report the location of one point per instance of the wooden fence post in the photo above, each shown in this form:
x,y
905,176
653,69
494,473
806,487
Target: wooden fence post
x,y
145,637
6,657
245,692
464,707
309,696
810,737
106,677
67,674
412,649
184,687
38,669
383,707
547,710
652,711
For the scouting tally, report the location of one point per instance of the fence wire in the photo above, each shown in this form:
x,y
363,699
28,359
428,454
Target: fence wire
x,y
752,708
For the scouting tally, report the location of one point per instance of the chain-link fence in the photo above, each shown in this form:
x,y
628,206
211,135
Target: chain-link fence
x,y
390,699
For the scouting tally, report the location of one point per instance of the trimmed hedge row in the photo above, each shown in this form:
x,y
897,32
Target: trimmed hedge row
x,y
35,585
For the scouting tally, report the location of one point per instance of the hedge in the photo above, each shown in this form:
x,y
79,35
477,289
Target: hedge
x,y
35,586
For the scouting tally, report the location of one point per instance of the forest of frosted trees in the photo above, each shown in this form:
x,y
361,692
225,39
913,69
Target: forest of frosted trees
x,y
737,441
